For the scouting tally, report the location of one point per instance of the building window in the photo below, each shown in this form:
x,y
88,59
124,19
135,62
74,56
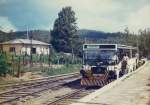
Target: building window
x,y
12,49
33,50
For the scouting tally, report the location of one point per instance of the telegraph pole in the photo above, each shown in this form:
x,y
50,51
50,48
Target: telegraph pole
x,y
27,33
49,56
31,47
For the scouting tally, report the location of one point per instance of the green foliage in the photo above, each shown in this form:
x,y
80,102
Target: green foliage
x,y
4,63
64,33
144,42
64,58
55,58
63,70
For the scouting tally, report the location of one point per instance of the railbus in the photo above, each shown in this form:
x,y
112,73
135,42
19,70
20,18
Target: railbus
x,y
103,63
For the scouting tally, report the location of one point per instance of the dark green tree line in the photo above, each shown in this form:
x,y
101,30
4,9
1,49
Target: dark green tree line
x,y
144,42
141,40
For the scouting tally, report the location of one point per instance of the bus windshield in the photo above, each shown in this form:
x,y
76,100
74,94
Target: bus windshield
x,y
94,56
107,54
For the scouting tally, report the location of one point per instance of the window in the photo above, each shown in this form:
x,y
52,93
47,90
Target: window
x,y
134,52
12,49
33,50
107,46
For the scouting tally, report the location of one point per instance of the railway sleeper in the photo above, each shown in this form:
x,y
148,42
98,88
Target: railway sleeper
x,y
63,103
74,98
13,95
80,95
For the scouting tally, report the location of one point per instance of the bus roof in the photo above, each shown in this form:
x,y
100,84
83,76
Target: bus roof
x,y
126,46
117,46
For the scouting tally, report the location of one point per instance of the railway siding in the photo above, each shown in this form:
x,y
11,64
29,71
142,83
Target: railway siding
x,y
18,85
31,89
132,89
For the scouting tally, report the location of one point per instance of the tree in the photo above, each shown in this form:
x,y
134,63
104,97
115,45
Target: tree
x,y
64,33
4,63
144,42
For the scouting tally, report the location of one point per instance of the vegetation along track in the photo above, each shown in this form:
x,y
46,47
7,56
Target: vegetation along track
x,y
34,87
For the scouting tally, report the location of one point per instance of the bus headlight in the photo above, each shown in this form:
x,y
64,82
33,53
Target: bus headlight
x,y
111,62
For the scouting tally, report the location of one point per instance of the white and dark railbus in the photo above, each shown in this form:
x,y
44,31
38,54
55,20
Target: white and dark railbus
x,y
105,62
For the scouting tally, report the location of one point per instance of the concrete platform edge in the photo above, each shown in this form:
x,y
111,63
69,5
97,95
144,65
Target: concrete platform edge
x,y
86,99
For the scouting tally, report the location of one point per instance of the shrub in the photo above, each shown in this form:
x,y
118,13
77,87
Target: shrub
x,y
4,63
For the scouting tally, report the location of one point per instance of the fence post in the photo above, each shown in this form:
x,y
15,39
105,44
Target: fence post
x,y
18,73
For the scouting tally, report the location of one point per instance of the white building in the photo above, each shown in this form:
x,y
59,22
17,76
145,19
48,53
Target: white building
x,y
25,46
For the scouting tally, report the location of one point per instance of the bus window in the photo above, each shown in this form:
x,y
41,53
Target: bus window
x,y
134,52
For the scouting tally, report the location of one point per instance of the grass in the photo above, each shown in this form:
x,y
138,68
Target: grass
x,y
44,71
4,83
48,71
63,70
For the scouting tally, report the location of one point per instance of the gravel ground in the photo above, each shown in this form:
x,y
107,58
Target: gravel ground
x,y
43,98
135,90
47,96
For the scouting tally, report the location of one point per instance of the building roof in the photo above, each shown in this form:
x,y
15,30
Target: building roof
x,y
25,41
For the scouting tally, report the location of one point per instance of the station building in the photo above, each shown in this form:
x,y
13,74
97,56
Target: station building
x,y
25,46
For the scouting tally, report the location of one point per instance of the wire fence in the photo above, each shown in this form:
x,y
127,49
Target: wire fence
x,y
18,64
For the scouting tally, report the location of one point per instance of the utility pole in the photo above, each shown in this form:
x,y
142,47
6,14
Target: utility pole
x,y
31,48
85,40
72,50
137,44
49,54
84,53
18,72
27,33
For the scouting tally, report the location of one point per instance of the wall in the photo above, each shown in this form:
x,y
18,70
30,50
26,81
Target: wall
x,y
21,49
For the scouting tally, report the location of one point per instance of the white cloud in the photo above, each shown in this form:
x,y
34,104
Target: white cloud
x,y
91,14
3,2
140,19
103,15
6,25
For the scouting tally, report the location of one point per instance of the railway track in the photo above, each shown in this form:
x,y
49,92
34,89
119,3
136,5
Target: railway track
x,y
30,82
32,88
70,97
35,87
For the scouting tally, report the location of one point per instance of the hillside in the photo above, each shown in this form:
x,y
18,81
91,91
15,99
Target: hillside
x,y
41,35
93,34
84,34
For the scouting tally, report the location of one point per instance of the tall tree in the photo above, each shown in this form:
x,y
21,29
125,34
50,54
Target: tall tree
x,y
64,33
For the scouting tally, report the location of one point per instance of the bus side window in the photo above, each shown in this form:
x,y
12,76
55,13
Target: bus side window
x,y
120,54
134,53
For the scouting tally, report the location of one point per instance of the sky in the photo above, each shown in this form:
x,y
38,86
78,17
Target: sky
x,y
101,15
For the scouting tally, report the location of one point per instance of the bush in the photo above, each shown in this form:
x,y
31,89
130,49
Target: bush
x,y
62,58
4,63
69,68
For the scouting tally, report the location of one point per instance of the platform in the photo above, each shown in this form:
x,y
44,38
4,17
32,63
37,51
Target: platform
x,y
132,89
